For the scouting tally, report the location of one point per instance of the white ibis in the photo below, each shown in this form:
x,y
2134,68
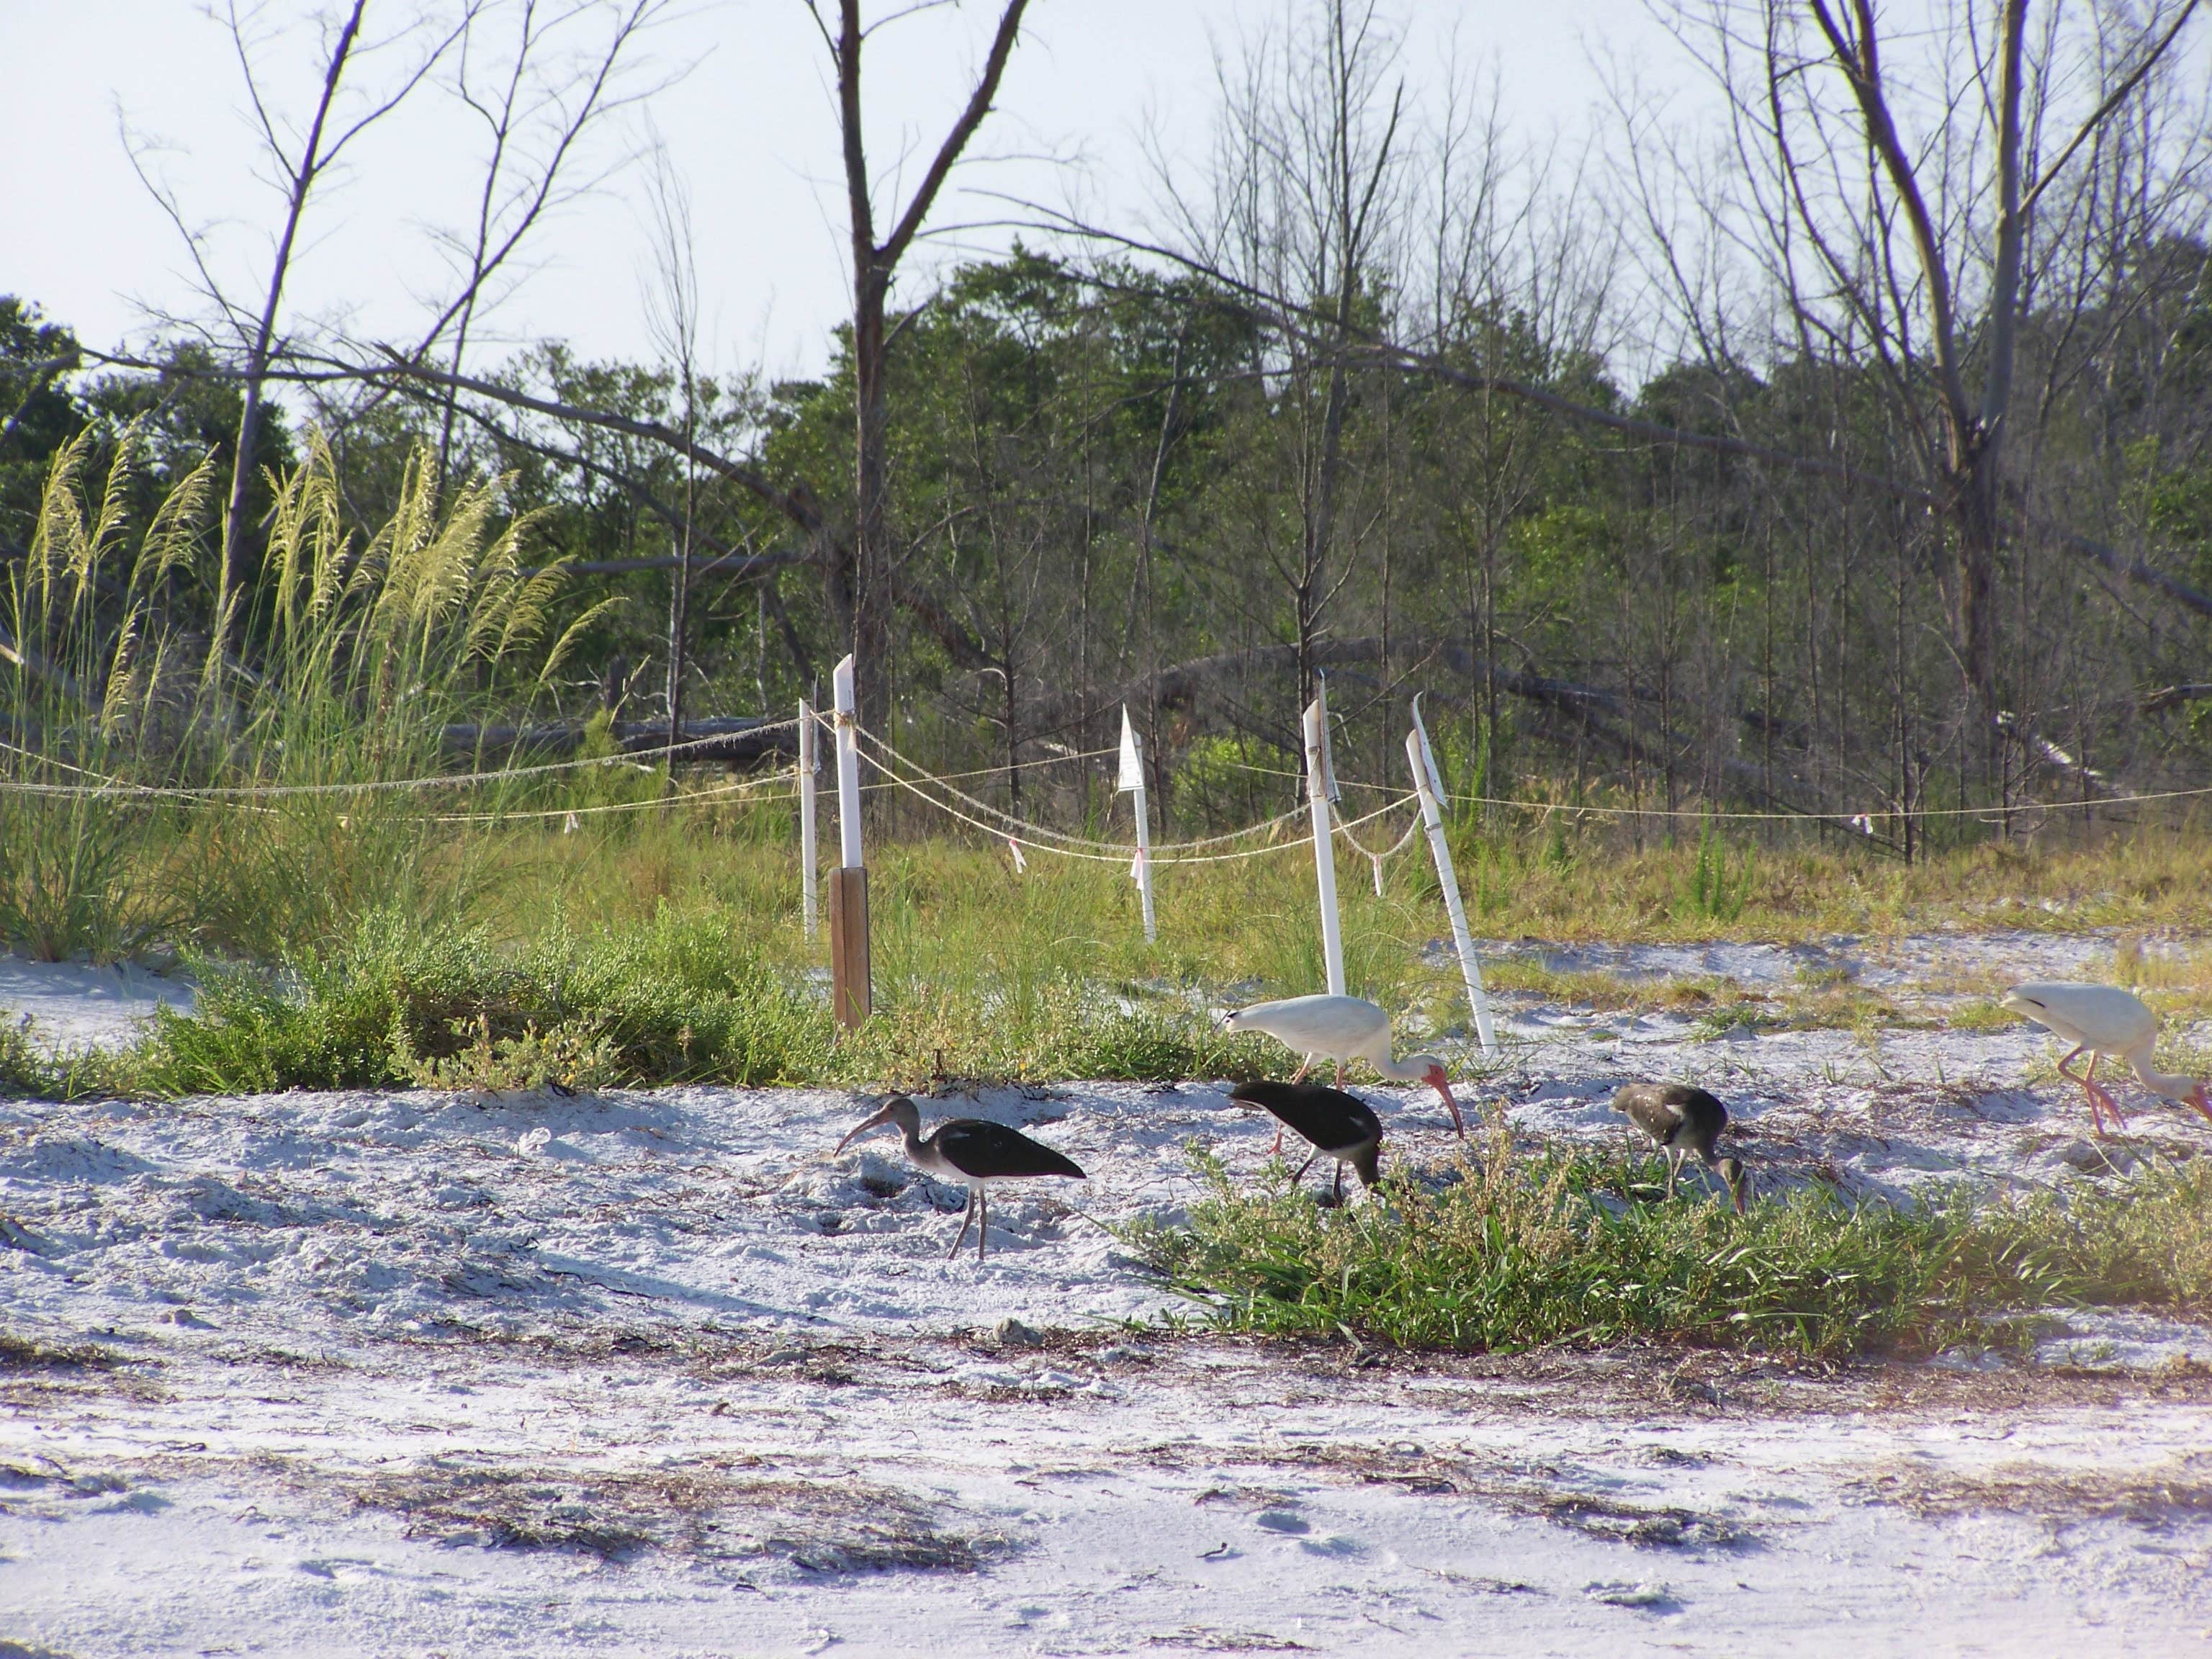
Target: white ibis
x,y
1683,1119
1343,1126
2111,1025
1340,1028
970,1151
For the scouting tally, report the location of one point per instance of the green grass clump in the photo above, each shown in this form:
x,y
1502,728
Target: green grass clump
x,y
674,1000
1568,1248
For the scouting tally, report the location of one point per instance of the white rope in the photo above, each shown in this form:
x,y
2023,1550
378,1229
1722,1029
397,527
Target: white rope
x,y
1174,852
117,788
1104,849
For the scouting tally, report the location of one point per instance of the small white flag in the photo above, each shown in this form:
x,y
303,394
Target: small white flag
x,y
1021,864
1133,763
570,824
1375,858
1137,867
1863,824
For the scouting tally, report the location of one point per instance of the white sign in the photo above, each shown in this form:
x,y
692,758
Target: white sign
x,y
1133,763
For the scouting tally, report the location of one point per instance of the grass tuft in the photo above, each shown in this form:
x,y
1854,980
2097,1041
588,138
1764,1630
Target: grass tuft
x,y
1568,1248
673,1000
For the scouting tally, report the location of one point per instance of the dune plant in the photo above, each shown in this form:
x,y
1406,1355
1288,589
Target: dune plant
x,y
1512,1252
364,651
88,667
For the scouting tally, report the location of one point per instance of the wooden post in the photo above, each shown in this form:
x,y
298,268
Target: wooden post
x,y
850,969
1429,787
1317,782
808,766
851,994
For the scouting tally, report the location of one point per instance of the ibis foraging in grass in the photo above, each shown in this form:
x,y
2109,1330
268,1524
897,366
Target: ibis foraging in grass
x,y
970,1151
1341,1029
1683,1119
1343,1126
2111,1024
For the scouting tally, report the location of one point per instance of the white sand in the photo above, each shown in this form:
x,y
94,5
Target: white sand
x,y
395,1374
72,1004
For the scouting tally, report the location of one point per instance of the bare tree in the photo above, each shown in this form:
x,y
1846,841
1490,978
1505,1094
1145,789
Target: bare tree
x,y
671,308
300,154
537,91
1894,210
858,582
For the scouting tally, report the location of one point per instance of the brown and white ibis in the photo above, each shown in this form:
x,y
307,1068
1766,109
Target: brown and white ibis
x,y
970,1151
1341,1029
1683,1119
2111,1024
1332,1121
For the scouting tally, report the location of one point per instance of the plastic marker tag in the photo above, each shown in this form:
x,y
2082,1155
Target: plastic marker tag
x,y
1021,864
1133,765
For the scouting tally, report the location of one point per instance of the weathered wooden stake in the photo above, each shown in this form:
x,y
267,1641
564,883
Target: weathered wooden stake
x,y
809,765
849,975
851,994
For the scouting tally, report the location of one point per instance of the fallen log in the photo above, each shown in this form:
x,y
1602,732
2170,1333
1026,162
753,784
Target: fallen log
x,y
732,740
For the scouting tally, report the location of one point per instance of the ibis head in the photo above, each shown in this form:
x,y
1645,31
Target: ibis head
x,y
1731,1170
897,1110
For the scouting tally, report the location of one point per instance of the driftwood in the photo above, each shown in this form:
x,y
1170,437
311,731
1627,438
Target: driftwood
x,y
737,739
2172,696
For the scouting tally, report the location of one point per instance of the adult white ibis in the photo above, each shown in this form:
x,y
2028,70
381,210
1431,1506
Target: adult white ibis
x,y
1341,1029
1683,1119
2111,1024
1343,1126
970,1151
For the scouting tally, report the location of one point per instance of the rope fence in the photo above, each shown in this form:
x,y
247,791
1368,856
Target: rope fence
x,y
1003,824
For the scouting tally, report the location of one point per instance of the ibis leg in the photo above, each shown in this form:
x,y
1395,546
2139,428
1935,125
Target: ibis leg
x,y
966,1216
1339,1074
1336,1190
1299,1076
2111,1105
2100,1098
1674,1170
983,1221
1303,1168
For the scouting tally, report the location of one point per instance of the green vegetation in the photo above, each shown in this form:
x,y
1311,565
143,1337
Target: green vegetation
x,y
670,1000
1513,1252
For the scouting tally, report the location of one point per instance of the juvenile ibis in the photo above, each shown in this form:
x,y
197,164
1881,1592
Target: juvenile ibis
x,y
1341,1029
971,1151
1332,1121
2111,1024
1683,1119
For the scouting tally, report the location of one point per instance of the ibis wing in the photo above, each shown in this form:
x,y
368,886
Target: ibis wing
x,y
1326,1117
1335,1025
992,1150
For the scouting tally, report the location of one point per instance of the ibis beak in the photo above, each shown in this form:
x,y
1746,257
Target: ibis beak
x,y
1443,1086
2197,1099
875,1122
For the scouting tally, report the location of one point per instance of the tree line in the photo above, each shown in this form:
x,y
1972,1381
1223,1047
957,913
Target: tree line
x,y
1848,456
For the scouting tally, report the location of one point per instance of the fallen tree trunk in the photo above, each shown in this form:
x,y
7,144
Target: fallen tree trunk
x,y
736,740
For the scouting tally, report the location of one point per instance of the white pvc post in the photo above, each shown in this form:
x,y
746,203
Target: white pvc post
x,y
848,768
1317,776
1428,784
809,765
1133,779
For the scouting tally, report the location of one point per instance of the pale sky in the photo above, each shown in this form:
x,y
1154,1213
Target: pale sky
x,y
750,129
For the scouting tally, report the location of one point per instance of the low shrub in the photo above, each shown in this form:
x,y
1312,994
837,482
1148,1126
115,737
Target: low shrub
x,y
1510,1254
